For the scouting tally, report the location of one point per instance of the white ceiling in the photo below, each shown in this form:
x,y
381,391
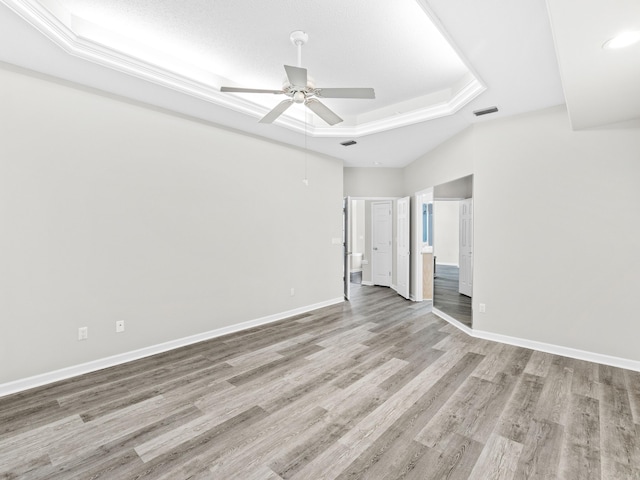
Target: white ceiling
x,y
601,86
175,55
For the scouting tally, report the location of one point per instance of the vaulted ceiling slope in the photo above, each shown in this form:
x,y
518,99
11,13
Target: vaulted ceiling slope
x,y
431,63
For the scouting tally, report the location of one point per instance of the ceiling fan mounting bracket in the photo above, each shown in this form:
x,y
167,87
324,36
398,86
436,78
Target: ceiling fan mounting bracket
x,y
298,38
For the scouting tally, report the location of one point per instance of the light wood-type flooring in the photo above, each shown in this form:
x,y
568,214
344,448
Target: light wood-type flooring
x,y
375,388
446,295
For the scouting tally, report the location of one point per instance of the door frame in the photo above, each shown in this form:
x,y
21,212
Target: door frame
x,y
346,245
403,252
347,278
469,203
417,236
419,198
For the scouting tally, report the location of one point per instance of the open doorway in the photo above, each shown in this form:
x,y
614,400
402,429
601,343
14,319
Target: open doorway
x,y
444,249
453,249
372,248
451,291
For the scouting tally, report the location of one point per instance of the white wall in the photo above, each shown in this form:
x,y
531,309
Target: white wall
x,y
549,203
446,228
451,160
110,211
373,182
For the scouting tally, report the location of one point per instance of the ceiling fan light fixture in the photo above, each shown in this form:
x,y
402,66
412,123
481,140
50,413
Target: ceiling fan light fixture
x,y
622,40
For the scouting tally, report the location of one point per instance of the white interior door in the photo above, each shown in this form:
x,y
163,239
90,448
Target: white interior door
x,y
466,247
346,237
381,250
403,249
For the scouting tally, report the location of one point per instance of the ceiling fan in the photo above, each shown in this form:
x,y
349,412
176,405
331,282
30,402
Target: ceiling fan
x,y
301,89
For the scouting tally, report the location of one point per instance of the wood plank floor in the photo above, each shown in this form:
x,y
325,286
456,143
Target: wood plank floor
x,y
446,296
376,388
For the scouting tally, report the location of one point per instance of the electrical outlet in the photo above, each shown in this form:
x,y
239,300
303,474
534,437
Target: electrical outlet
x,y
482,307
120,326
83,333
293,291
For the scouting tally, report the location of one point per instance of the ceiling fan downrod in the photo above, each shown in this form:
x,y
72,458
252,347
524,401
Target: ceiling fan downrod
x,y
299,38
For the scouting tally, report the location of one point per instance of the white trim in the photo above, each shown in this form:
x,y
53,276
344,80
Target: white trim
x,y
542,346
73,371
447,264
394,287
366,283
560,350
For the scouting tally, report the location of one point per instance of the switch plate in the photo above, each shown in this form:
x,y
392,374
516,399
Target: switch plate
x,y
482,307
120,326
293,291
83,333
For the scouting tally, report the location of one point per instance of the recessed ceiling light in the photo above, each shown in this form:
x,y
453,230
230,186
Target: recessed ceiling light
x,y
623,40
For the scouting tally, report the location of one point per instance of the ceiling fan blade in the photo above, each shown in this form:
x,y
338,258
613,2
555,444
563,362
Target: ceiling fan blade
x,y
345,93
320,109
297,76
248,90
276,112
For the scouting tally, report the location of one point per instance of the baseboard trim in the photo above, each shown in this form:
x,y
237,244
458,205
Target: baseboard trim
x,y
560,350
542,346
76,370
366,283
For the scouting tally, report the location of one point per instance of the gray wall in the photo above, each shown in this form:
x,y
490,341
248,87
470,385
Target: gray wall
x,y
549,203
446,232
110,211
373,182
451,160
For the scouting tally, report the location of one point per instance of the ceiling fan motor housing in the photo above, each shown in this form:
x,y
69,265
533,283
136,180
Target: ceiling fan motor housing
x,y
301,89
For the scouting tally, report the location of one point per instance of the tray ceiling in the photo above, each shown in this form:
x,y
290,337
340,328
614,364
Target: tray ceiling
x,y
432,63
